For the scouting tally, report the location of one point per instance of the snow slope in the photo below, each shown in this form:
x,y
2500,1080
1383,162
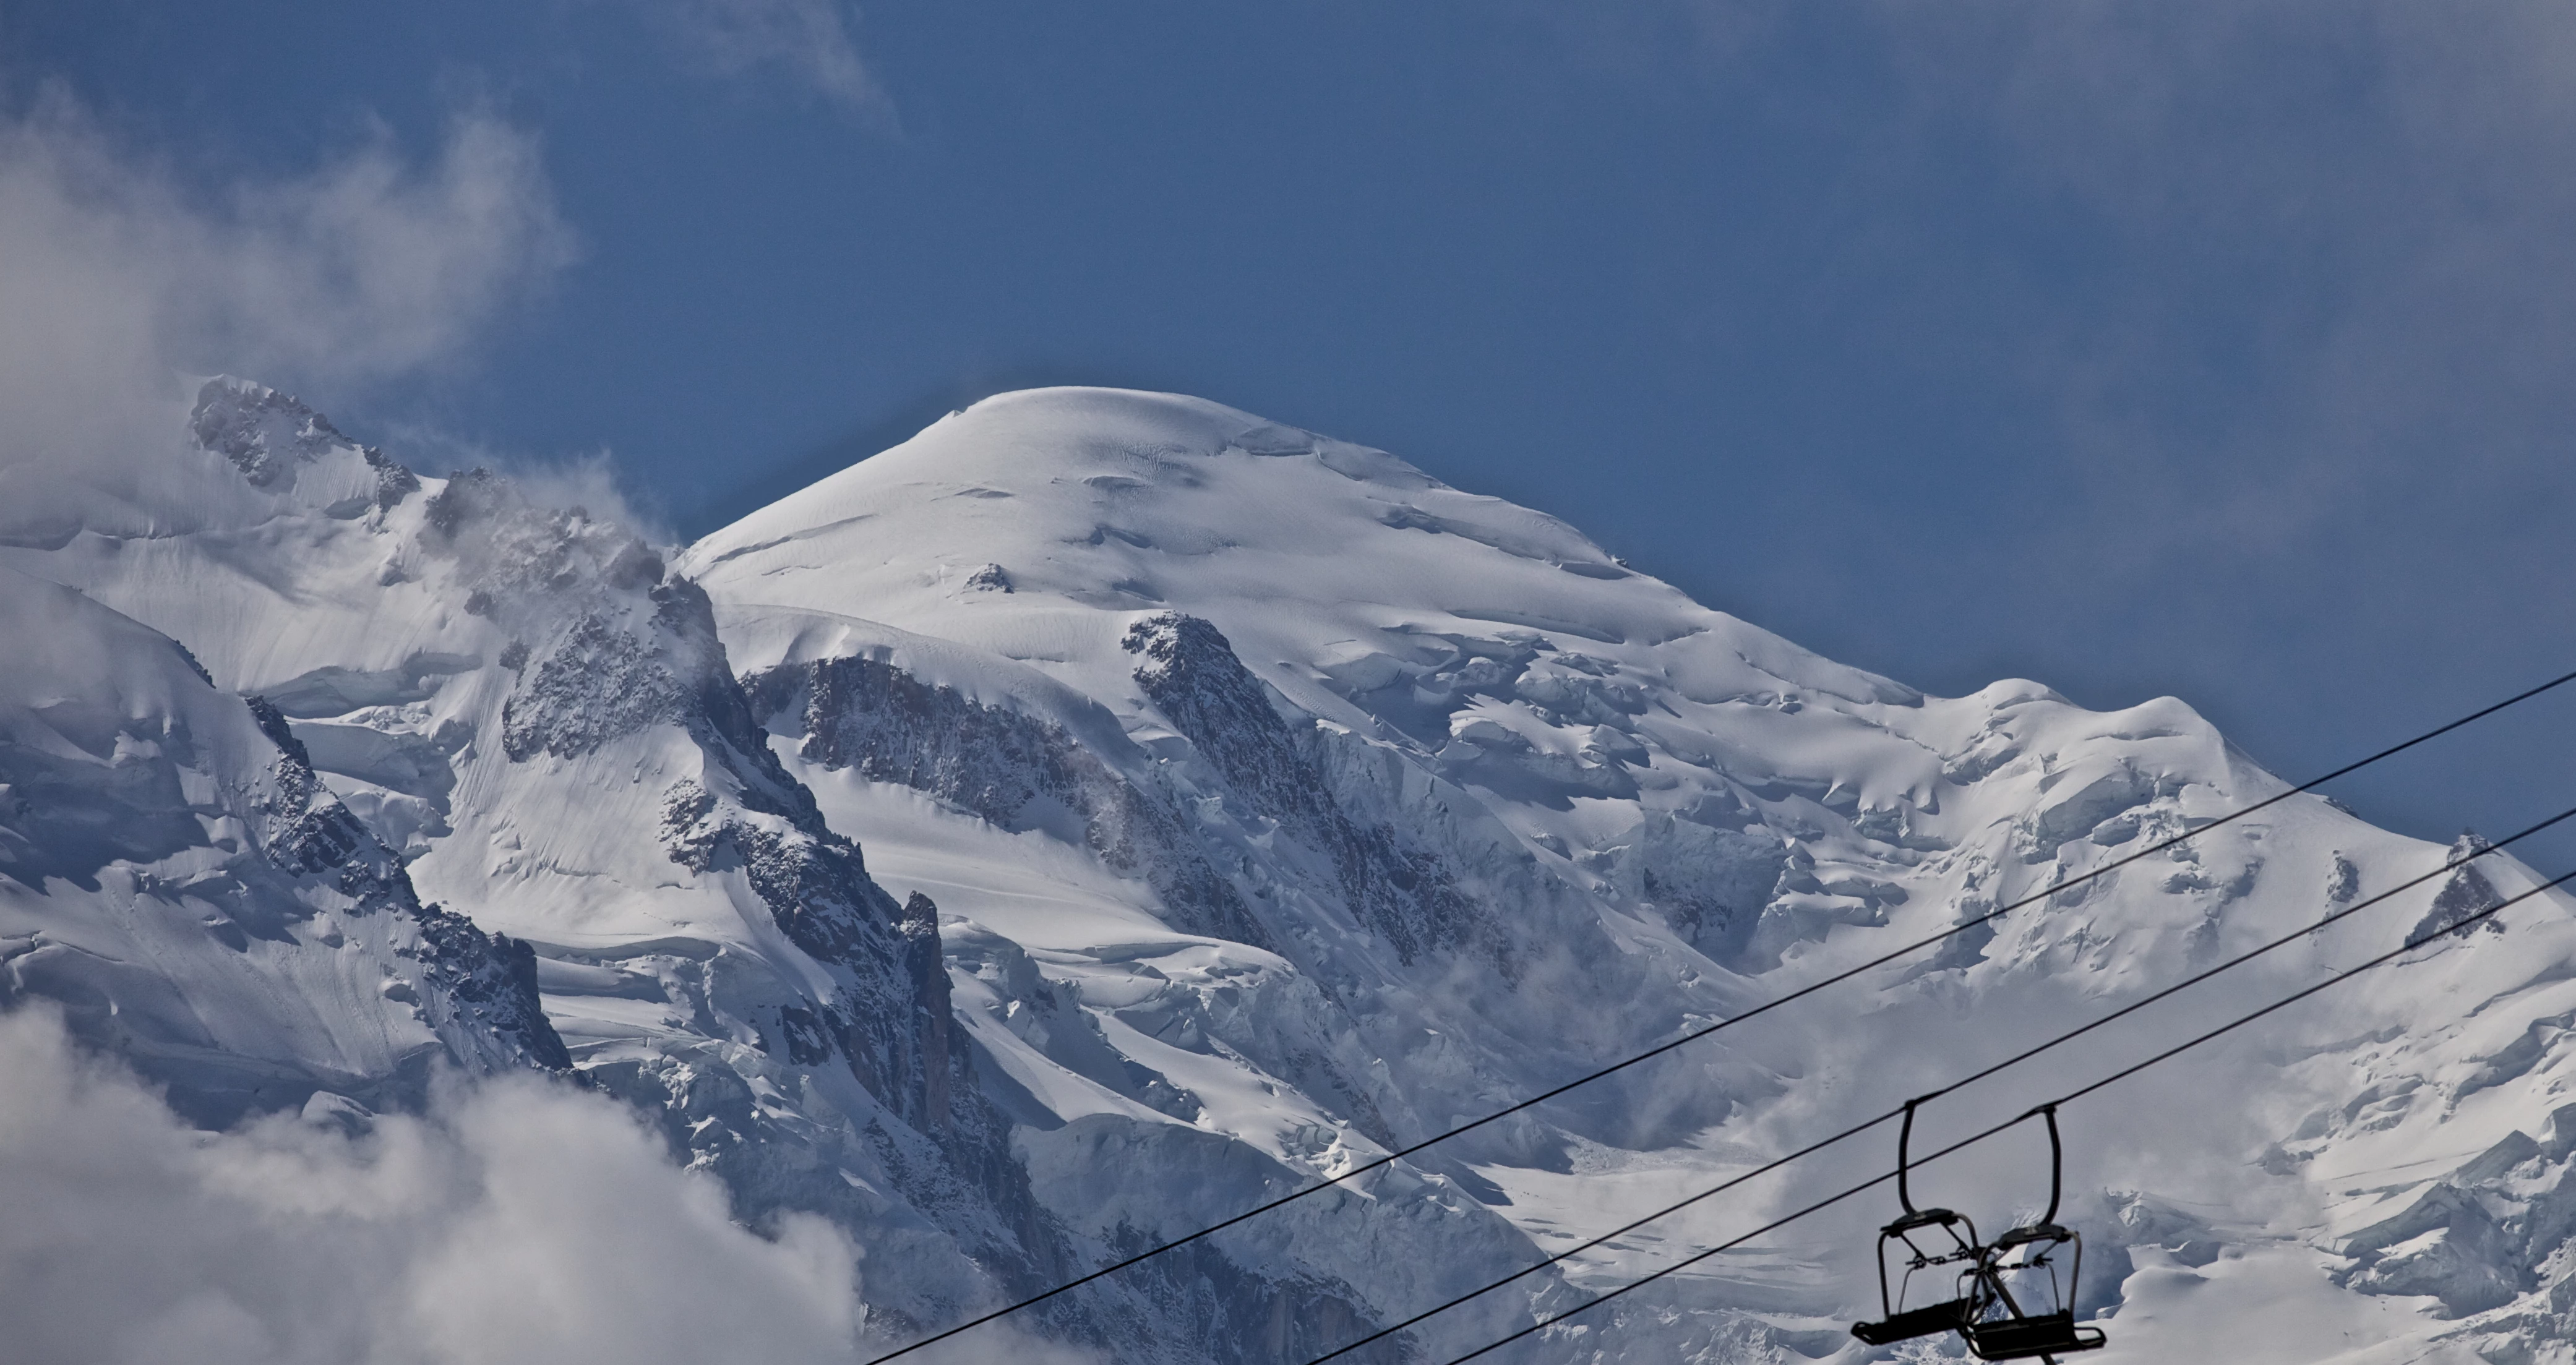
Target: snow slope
x,y
1502,810
525,703
173,872
1237,804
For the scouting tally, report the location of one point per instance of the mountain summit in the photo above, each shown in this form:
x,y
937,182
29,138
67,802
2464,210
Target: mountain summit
x,y
1106,811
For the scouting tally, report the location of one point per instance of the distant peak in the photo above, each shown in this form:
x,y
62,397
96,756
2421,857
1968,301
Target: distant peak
x,y
269,436
264,433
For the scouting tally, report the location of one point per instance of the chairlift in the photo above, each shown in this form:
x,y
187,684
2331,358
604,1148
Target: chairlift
x,y
1948,1315
2001,1325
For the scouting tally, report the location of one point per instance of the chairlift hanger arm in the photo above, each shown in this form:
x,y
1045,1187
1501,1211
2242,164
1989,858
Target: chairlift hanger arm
x,y
2056,1166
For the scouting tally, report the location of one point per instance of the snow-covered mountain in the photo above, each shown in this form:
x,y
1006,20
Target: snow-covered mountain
x,y
1107,810
180,879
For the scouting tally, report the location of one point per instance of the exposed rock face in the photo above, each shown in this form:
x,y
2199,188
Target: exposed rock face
x,y
488,984
1403,893
934,1029
478,991
1017,771
817,891
2465,895
267,435
871,718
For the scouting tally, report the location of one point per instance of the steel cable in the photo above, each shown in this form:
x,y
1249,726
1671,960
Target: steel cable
x,y
2448,865
2123,1074
1731,1021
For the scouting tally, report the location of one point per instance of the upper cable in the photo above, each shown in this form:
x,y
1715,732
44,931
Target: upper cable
x,y
1695,1035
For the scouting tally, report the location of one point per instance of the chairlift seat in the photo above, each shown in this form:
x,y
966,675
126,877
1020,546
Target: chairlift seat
x,y
2019,1338
1914,1322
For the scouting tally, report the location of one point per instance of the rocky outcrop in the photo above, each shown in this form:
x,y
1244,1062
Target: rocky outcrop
x,y
818,892
933,1027
267,435
2462,897
478,991
1398,890
206,907
1015,770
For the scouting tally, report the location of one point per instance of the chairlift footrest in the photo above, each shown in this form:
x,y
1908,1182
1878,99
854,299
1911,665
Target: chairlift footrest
x,y
2019,1338
1915,1322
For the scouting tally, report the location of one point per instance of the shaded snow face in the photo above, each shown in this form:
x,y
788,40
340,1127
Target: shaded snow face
x,y
175,873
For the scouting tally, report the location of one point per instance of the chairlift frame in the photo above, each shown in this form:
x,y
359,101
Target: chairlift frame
x,y
1986,1314
2020,1334
1899,1323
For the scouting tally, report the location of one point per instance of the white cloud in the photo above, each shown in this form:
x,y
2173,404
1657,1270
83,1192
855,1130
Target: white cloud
x,y
523,1222
369,266
115,280
809,41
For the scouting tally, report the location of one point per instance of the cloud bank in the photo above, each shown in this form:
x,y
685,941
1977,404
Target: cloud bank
x,y
525,1222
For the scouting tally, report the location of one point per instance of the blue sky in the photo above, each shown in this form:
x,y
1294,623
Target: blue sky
x,y
2215,350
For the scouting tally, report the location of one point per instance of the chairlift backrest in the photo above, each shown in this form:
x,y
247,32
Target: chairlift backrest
x,y
2000,1327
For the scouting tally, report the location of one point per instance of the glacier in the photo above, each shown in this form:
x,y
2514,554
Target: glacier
x,y
1107,811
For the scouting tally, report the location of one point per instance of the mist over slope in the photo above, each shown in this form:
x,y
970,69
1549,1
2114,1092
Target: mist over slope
x,y
1108,810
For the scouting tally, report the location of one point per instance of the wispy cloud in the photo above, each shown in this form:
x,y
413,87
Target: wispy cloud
x,y
2268,308
2314,396
117,279
809,42
2347,222
368,266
